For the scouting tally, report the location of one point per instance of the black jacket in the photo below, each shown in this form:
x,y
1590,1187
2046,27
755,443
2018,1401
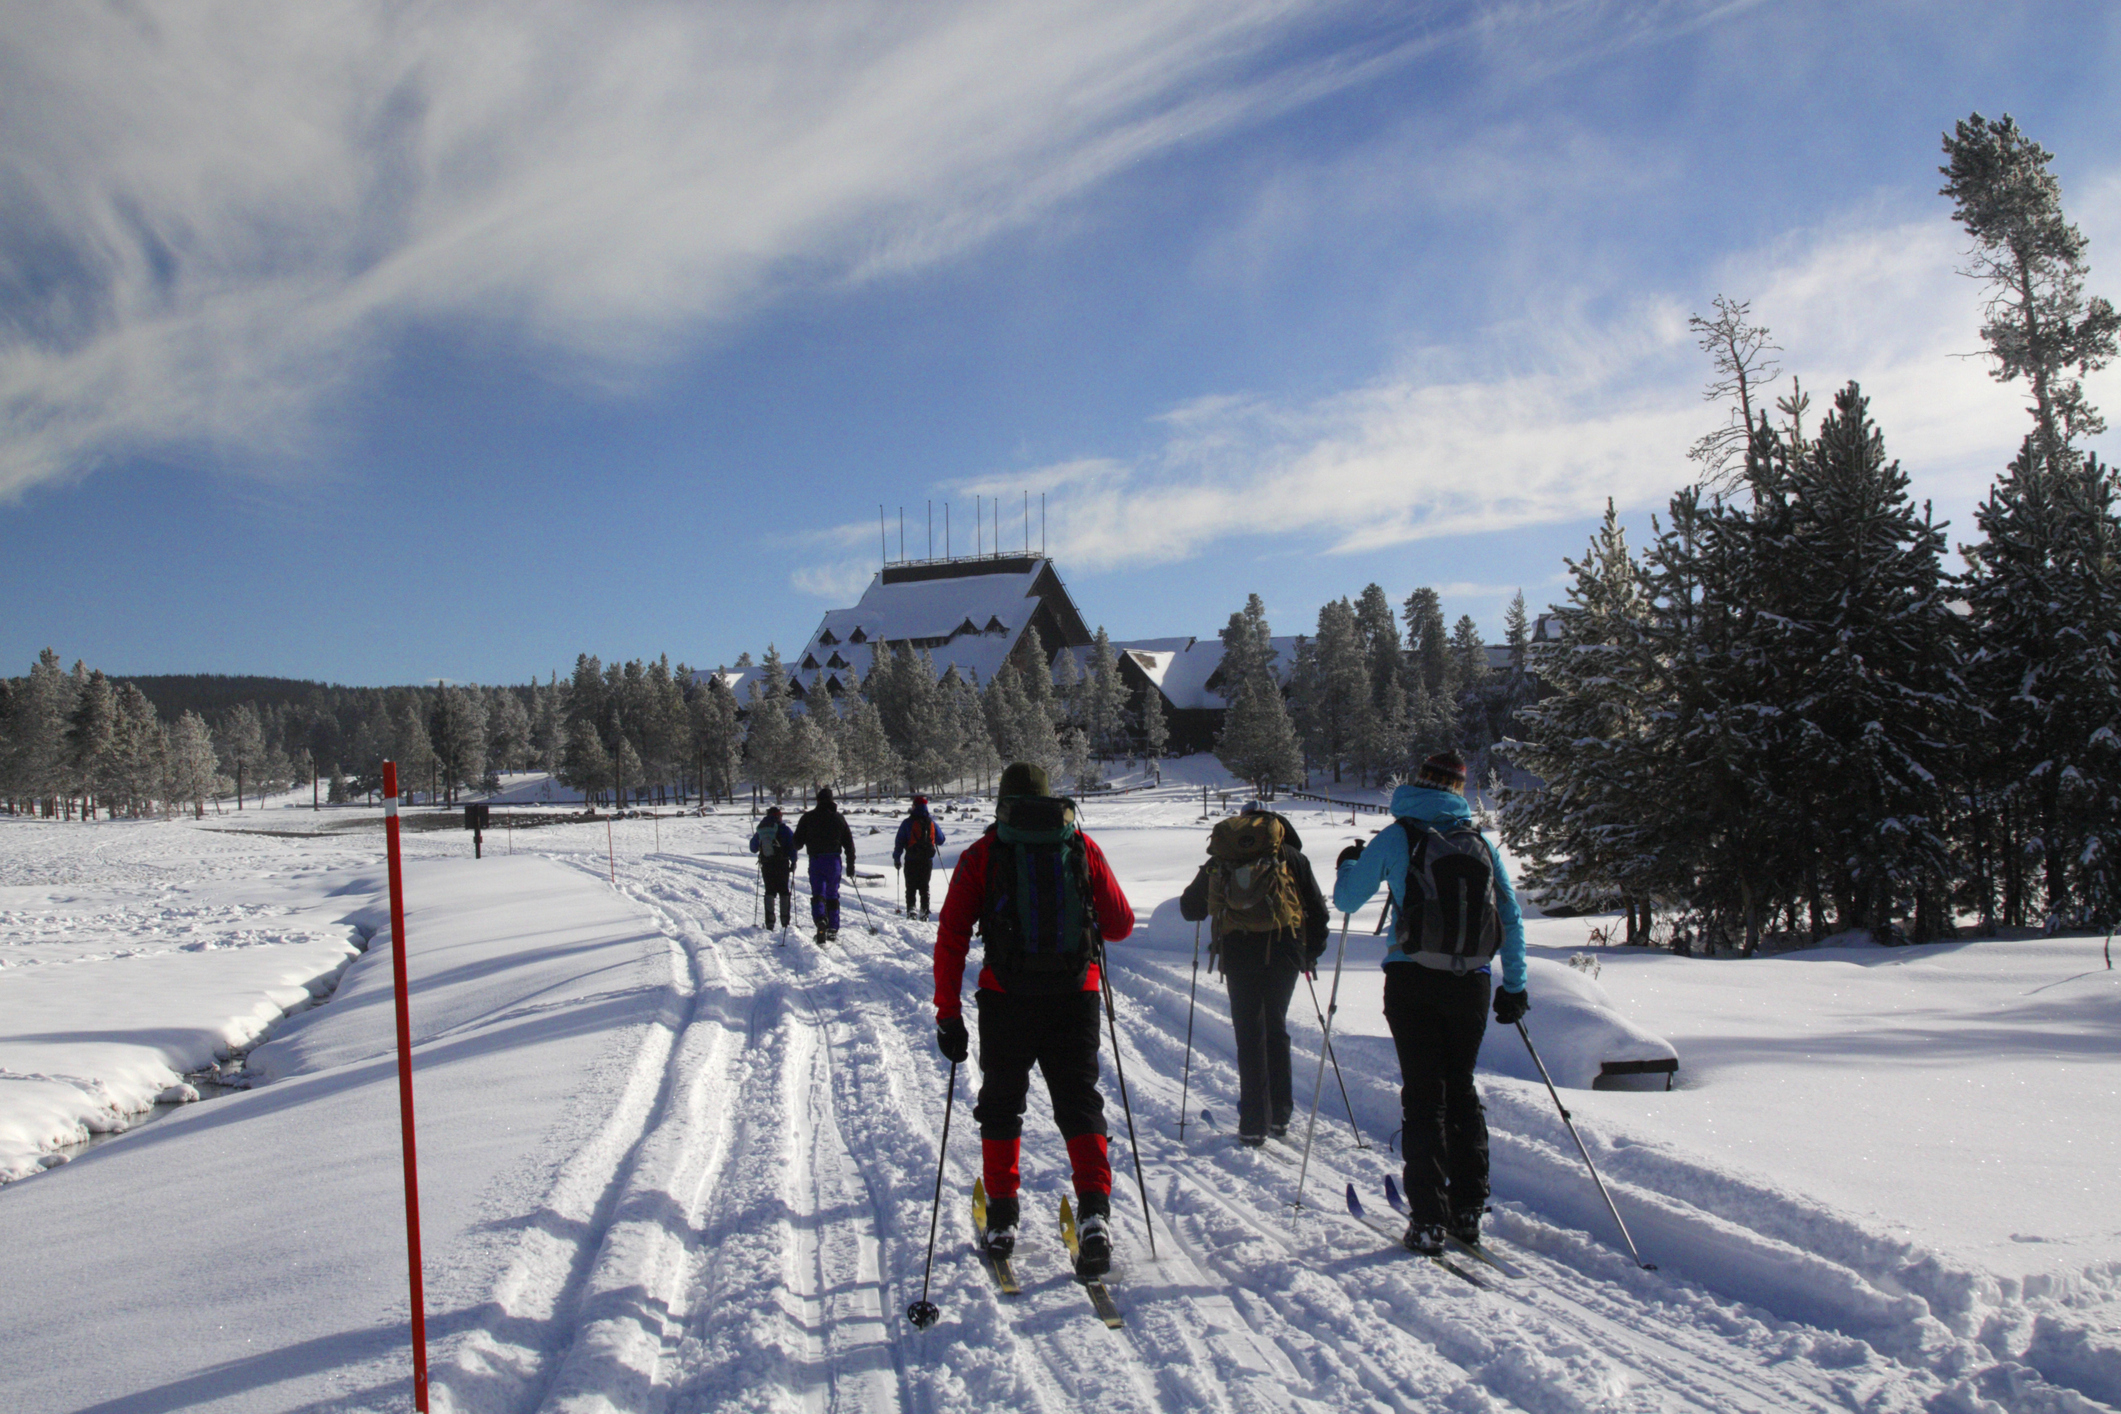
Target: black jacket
x,y
823,831
1283,945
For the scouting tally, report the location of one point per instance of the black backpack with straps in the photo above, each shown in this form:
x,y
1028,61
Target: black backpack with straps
x,y
1448,911
1037,922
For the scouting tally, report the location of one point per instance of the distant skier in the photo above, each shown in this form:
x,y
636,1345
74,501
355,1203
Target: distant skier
x,y
823,831
1269,925
1045,903
919,837
1455,910
774,843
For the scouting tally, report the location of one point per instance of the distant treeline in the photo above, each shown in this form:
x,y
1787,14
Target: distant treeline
x,y
74,741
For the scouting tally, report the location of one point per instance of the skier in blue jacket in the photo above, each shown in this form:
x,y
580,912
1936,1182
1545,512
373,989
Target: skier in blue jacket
x,y
1437,984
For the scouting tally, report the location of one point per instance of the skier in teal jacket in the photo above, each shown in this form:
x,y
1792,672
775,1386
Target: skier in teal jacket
x,y
1437,1007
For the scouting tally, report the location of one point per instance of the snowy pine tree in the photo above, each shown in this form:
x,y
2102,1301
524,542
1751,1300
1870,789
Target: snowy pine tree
x,y
193,766
1582,827
1105,698
242,746
2046,608
1258,742
770,730
585,765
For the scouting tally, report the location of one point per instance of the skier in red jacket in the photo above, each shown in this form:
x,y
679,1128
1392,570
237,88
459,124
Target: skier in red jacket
x,y
1045,902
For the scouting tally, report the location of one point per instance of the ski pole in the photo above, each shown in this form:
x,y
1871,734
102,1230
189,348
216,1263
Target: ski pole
x,y
1186,1085
1337,1079
1318,1086
922,1312
898,885
755,892
1104,976
1571,1127
855,879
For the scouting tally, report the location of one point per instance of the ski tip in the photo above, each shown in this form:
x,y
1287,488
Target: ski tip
x,y
1354,1203
1206,1118
1398,1204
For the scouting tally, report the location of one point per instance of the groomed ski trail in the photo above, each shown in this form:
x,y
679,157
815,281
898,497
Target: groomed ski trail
x,y
747,1232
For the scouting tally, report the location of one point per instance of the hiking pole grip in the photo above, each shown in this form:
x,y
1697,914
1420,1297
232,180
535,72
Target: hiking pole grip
x,y
923,1312
1570,1125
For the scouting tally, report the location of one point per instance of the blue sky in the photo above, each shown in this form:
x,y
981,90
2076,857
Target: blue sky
x,y
378,345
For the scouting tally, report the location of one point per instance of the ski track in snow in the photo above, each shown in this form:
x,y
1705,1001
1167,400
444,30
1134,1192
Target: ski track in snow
x,y
748,1227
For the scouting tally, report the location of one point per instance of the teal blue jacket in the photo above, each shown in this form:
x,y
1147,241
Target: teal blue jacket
x,y
1384,859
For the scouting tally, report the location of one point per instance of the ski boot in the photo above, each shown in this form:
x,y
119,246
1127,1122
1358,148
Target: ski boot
x,y
1252,1141
1093,1236
1424,1239
1465,1225
998,1239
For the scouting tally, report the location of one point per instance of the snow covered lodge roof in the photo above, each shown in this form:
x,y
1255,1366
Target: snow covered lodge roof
x,y
1184,669
970,615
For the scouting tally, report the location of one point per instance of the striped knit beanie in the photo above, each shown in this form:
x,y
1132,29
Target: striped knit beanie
x,y
1446,770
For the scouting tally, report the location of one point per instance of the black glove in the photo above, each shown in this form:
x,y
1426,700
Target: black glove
x,y
1510,1007
1346,857
951,1040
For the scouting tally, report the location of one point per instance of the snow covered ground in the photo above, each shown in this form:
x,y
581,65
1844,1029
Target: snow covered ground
x,y
669,1163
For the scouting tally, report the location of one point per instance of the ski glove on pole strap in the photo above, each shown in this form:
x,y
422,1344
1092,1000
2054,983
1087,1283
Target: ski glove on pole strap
x,y
1510,1007
953,1041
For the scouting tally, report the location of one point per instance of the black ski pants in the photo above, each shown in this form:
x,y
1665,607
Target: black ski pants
x,y
1437,1020
773,875
1261,984
917,872
1058,1034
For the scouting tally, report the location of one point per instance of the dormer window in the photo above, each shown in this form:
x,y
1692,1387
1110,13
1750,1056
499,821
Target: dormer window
x,y
835,661
810,662
994,625
825,639
965,627
857,637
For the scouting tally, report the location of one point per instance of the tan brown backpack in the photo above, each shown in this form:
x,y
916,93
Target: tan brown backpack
x,y
1250,886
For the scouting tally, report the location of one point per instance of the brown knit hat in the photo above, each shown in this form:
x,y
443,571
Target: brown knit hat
x,y
1446,770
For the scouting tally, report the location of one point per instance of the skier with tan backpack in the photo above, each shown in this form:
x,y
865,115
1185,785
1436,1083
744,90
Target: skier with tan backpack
x,y
1268,926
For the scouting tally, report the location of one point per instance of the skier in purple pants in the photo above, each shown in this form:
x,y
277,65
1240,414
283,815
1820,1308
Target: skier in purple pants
x,y
824,832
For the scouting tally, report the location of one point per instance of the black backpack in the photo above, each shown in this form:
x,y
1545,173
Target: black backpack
x,y
1037,922
1449,897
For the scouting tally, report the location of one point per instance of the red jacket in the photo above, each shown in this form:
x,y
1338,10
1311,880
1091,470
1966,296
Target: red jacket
x,y
961,910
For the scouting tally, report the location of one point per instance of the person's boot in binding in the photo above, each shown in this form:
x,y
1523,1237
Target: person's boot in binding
x,y
1093,1235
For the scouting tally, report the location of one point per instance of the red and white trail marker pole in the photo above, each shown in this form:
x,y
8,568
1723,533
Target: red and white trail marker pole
x,y
412,1164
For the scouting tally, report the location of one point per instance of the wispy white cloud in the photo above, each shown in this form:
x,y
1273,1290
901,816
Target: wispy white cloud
x,y
1538,423
218,213
221,212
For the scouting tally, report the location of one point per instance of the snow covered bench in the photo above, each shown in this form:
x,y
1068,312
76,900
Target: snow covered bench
x,y
1580,1033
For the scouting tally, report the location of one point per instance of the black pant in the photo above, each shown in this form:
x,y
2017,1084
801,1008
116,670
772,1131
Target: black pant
x,y
1056,1033
774,876
1260,988
917,872
1437,1020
